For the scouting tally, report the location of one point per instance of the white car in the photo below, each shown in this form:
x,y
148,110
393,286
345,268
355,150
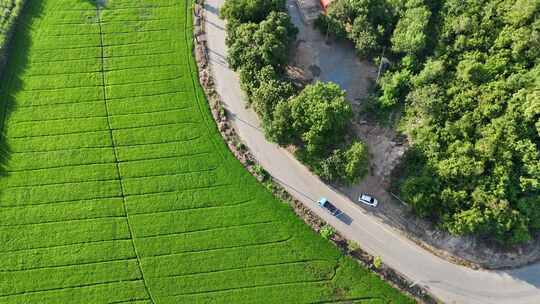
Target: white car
x,y
368,200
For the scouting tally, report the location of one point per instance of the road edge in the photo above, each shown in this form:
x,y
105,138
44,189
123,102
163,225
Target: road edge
x,y
244,156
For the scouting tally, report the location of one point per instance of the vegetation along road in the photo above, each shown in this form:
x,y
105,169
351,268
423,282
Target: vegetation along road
x,y
116,186
449,282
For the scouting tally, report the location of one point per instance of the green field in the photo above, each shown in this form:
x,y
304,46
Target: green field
x,y
117,188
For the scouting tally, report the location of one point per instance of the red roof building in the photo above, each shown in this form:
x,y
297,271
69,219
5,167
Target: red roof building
x,y
325,4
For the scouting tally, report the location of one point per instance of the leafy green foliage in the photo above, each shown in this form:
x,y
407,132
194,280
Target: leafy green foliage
x,y
346,166
377,262
467,74
259,51
327,232
270,92
255,45
409,35
365,37
394,87
249,11
367,23
356,162
318,116
315,119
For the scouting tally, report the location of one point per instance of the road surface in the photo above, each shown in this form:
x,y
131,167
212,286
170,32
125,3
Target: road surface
x,y
449,282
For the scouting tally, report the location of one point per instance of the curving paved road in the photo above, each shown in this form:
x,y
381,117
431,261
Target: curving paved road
x,y
449,282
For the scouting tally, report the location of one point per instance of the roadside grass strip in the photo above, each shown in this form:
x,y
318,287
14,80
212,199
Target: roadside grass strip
x,y
115,186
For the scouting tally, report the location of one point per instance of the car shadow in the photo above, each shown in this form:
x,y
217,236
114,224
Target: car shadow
x,y
343,217
212,9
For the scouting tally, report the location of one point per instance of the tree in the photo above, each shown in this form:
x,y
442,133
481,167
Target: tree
x,y
270,92
319,115
356,162
332,167
365,37
282,130
466,75
395,87
249,11
254,46
410,35
346,165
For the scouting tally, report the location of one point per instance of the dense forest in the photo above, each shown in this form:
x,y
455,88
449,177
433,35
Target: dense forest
x,y
465,77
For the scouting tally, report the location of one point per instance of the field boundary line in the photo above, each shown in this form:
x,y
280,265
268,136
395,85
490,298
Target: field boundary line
x,y
149,66
142,54
134,300
33,60
257,286
69,265
110,163
146,95
68,287
113,21
113,143
232,269
64,245
59,134
59,202
104,130
82,117
108,33
8,226
60,183
61,89
119,8
117,196
187,252
235,204
67,74
155,111
55,104
145,81
208,229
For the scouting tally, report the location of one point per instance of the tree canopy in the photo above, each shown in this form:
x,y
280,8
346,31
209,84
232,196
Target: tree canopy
x,y
318,116
314,118
466,75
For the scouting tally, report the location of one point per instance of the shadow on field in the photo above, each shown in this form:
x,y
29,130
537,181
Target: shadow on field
x,y
98,3
11,82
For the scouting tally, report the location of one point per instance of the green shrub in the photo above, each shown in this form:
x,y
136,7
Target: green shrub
x,y
345,166
466,79
377,262
244,11
319,115
327,232
356,162
352,246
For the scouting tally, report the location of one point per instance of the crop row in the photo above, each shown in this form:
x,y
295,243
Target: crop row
x,y
118,189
